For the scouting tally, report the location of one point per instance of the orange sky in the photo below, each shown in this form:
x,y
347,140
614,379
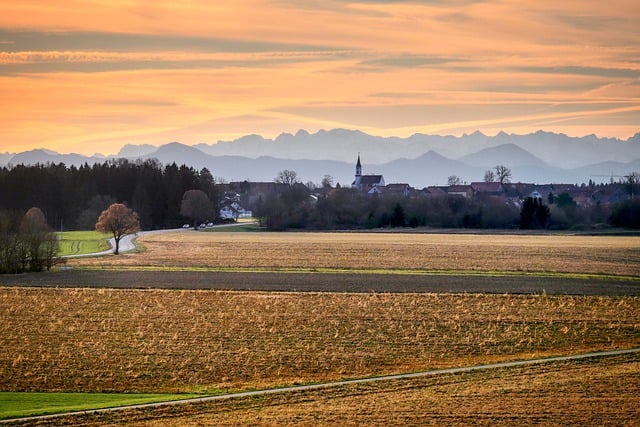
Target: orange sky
x,y
91,76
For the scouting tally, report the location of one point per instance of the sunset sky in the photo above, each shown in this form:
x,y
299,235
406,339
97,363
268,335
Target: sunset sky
x,y
90,76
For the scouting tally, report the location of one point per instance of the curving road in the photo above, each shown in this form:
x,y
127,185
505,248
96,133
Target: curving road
x,y
128,242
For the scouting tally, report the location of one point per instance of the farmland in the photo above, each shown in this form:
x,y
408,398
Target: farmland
x,y
599,392
186,341
386,307
370,251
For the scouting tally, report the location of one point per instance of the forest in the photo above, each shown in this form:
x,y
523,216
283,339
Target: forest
x,y
72,198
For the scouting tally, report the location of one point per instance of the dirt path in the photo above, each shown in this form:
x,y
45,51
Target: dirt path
x,y
313,387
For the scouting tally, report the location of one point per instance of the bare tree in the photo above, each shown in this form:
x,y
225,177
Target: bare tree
x,y
40,244
503,174
489,176
632,181
288,177
197,206
327,181
118,220
454,180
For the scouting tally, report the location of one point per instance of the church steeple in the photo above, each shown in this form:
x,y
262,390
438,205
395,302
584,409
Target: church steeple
x,y
357,181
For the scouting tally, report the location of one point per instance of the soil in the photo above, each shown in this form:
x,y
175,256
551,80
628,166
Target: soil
x,y
325,282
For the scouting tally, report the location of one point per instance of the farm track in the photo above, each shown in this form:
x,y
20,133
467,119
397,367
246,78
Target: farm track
x,y
94,415
327,282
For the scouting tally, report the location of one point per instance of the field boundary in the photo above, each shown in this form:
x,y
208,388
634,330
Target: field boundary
x,y
320,386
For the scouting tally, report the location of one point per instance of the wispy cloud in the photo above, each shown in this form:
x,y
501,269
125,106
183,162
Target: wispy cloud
x,y
89,75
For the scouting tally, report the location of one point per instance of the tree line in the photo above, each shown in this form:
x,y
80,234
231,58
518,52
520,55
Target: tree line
x,y
73,197
170,196
349,209
26,242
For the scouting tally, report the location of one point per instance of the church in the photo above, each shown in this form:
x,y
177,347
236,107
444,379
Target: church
x,y
372,184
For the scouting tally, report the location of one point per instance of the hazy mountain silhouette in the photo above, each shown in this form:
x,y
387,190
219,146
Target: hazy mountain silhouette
x,y
419,160
45,156
130,150
507,154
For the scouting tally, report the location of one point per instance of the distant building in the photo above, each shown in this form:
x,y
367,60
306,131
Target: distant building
x,y
460,190
488,188
369,183
400,189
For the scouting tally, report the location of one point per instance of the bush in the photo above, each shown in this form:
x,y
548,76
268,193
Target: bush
x,y
626,214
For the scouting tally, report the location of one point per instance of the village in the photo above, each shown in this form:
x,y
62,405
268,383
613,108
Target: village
x,y
240,199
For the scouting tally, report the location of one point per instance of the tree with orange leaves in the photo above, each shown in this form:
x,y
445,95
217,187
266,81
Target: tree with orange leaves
x,y
118,220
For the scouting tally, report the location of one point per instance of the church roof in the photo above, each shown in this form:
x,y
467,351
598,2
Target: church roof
x,y
370,179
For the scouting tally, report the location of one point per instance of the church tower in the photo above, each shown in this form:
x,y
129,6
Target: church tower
x,y
357,181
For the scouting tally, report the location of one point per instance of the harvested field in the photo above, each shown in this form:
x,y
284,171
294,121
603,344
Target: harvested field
x,y
370,251
185,341
596,392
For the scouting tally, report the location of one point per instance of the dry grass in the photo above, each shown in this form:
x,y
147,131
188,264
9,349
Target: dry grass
x,y
173,341
597,392
546,253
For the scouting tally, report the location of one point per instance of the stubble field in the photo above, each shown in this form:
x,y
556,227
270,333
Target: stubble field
x,y
186,341
600,392
598,255
152,340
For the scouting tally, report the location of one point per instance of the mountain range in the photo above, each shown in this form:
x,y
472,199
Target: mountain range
x,y
420,160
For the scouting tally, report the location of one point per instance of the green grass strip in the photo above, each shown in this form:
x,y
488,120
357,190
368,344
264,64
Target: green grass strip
x,y
473,273
26,404
82,242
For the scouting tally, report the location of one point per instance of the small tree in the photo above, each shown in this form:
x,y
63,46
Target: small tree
x,y
40,244
503,174
454,180
327,181
534,214
118,220
197,206
489,176
631,183
288,177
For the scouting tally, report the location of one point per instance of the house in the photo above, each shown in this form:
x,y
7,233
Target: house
x,y
487,188
252,193
366,182
460,190
403,190
230,208
434,191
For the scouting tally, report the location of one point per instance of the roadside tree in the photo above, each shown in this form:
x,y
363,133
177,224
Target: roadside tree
x,y
118,220
197,206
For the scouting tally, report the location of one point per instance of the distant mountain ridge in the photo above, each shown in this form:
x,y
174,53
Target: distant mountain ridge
x,y
420,160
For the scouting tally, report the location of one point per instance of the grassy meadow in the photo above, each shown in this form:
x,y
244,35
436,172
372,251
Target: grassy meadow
x,y
14,404
82,242
211,342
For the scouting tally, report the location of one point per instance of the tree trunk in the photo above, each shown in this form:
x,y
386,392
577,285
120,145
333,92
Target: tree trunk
x,y
116,251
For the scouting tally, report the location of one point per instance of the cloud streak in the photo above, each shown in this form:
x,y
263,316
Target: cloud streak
x,y
93,75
